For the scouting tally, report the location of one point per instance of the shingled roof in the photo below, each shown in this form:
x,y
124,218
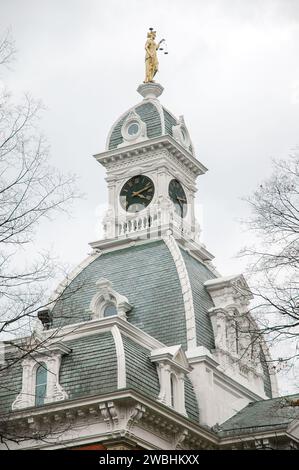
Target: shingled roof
x,y
262,415
153,288
159,121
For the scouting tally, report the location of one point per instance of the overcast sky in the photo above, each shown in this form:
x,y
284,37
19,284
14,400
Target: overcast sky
x,y
232,71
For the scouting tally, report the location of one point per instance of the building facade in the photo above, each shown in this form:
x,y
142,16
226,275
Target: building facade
x,y
146,345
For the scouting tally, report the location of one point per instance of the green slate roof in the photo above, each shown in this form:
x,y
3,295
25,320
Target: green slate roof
x,y
198,274
153,288
142,376
91,369
10,384
158,122
261,415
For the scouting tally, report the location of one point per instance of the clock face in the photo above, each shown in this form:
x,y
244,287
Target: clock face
x,y
137,193
178,197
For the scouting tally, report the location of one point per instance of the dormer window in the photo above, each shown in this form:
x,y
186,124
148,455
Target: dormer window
x,y
41,384
133,129
40,381
172,366
107,302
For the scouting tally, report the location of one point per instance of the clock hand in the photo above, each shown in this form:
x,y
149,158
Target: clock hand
x,y
136,193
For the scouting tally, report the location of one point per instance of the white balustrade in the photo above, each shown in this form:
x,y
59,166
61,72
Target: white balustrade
x,y
146,222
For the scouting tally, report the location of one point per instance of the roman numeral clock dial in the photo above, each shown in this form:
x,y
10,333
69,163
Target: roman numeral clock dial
x,y
178,197
137,193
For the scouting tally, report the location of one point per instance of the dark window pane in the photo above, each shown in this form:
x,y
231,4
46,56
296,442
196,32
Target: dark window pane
x,y
40,385
110,310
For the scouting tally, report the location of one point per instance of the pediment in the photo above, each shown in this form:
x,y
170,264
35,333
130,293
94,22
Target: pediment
x,y
228,290
174,354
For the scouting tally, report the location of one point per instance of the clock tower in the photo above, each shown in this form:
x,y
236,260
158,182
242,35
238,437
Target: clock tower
x,y
151,175
144,345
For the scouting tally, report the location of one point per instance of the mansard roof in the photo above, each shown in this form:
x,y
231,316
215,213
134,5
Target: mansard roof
x,y
91,369
148,276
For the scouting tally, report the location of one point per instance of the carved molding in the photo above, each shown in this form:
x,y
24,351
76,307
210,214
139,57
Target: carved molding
x,y
186,289
179,439
54,391
121,358
109,414
105,296
136,415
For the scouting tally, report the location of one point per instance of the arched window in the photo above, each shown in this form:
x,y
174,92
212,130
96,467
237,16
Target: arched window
x,y
40,385
173,391
107,302
110,310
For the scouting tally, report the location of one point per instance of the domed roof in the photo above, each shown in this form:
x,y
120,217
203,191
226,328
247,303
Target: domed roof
x,y
153,289
150,277
157,121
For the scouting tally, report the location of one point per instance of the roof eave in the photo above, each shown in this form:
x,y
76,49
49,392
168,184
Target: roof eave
x,y
164,141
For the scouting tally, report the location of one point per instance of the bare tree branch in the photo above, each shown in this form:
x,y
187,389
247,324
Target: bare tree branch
x,y
273,268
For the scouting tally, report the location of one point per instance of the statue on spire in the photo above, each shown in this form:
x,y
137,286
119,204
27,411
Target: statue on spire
x,y
151,58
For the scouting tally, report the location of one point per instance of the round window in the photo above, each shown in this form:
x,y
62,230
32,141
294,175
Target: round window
x,y
133,128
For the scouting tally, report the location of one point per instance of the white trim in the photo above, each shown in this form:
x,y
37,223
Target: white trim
x,y
123,405
177,150
186,289
121,358
155,102
201,355
107,296
173,355
101,325
54,391
141,133
194,249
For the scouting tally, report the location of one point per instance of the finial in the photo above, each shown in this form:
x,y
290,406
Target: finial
x,y
151,58
150,90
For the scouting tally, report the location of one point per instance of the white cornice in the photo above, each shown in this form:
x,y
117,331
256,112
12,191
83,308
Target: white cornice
x,y
165,141
222,282
94,401
173,355
195,249
101,325
203,355
88,328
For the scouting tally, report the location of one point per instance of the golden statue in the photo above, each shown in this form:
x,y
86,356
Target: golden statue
x,y
151,58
